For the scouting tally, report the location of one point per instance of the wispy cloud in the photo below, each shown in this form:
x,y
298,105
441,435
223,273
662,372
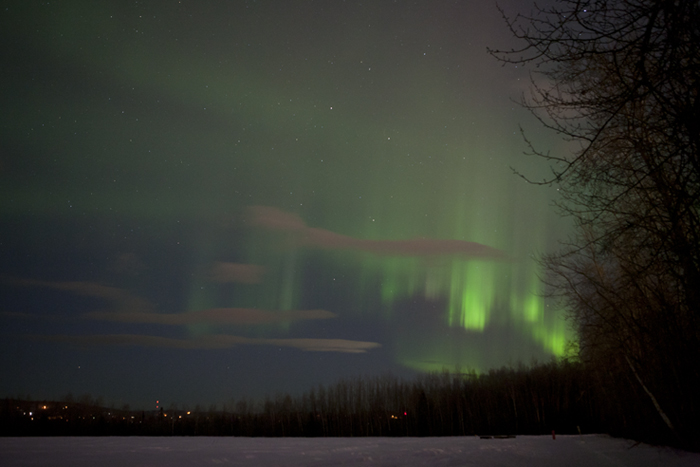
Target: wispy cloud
x,y
217,341
275,219
236,272
120,298
132,309
233,316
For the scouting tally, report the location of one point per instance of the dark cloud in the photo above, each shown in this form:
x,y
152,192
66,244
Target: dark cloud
x,y
233,316
121,299
218,341
275,219
236,272
132,309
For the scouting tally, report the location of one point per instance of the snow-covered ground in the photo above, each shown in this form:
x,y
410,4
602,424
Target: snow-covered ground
x,y
539,451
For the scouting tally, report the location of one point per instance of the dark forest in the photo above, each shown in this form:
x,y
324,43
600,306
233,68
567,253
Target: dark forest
x,y
554,398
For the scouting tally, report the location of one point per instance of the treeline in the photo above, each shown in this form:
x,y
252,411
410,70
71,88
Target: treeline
x,y
558,396
619,80
565,397
537,400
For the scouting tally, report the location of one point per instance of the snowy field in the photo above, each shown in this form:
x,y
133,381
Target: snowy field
x,y
539,451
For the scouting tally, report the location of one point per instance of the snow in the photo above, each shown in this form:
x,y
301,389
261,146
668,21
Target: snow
x,y
540,451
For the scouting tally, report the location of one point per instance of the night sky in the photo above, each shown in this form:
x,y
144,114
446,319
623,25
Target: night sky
x,y
206,200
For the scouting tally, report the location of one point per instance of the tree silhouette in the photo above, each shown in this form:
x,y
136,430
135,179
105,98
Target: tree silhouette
x,y
620,80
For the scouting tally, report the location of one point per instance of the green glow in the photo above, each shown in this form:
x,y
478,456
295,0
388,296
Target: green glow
x,y
528,304
553,337
533,309
472,294
372,158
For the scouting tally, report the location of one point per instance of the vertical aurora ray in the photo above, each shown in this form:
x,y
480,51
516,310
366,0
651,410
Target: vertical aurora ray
x,y
492,311
501,300
148,131
478,298
472,294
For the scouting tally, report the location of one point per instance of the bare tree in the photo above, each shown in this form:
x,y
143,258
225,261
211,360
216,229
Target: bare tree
x,y
620,79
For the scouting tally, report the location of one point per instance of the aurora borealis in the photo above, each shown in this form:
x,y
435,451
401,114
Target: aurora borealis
x,y
204,200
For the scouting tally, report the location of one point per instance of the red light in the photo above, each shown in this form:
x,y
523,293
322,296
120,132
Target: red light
x,y
405,413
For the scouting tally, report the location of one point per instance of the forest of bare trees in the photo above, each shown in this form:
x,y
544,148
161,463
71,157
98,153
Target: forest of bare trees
x,y
509,401
619,79
564,397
